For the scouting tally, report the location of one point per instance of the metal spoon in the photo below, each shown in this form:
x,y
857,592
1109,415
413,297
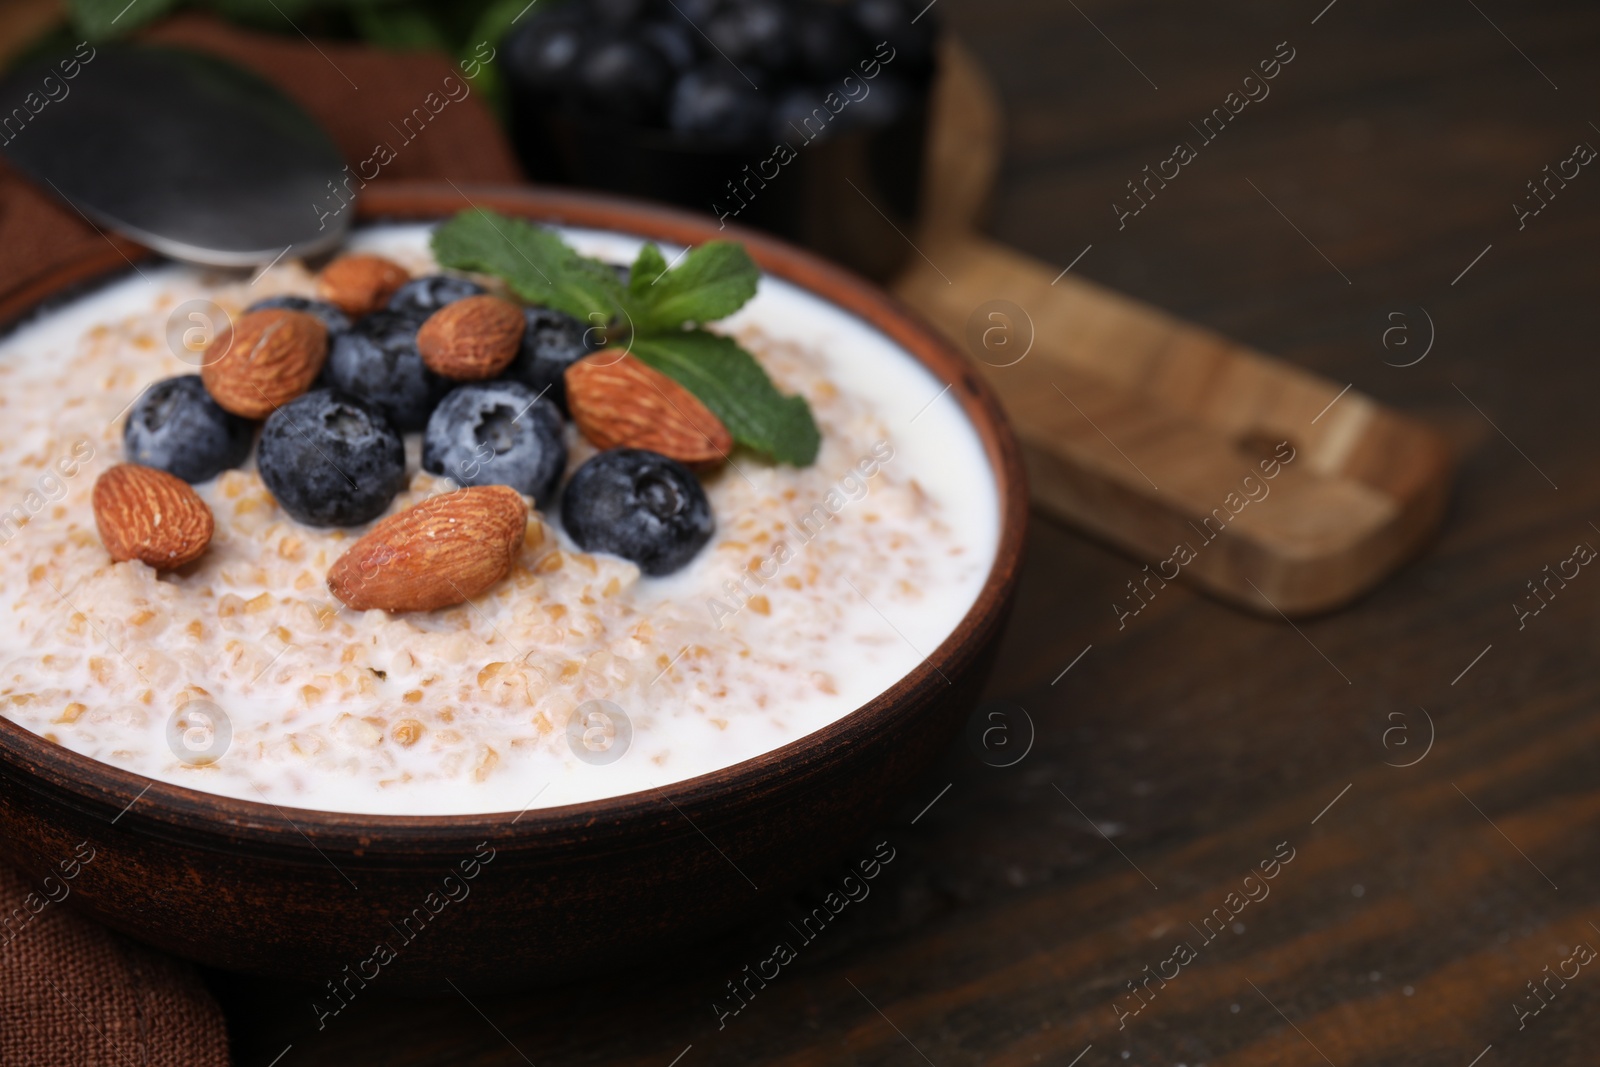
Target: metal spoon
x,y
180,151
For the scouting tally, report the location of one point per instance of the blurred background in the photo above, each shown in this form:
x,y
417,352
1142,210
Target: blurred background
x,y
700,103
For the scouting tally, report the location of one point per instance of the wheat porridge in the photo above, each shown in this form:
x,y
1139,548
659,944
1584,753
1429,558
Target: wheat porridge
x,y
232,581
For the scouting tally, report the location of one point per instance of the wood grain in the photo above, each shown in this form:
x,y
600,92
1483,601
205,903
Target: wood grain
x,y
1150,432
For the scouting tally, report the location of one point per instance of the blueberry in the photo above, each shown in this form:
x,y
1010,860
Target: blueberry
x,y
800,112
623,78
542,53
675,40
800,116
330,316
888,100
421,297
176,426
331,459
755,34
698,12
639,505
377,360
715,105
891,21
551,343
497,433
827,43
617,12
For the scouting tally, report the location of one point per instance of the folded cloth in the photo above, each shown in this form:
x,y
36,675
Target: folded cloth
x,y
363,97
72,992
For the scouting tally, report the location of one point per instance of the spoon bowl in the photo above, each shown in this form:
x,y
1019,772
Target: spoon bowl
x,y
180,151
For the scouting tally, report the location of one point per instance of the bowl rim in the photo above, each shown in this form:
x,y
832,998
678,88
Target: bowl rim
x,y
88,782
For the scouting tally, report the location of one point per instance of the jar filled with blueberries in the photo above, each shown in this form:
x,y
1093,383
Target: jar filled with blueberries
x,y
805,118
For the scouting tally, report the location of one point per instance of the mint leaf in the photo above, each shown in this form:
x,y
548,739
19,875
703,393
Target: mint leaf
x,y
729,381
534,261
101,20
487,77
399,27
712,282
647,267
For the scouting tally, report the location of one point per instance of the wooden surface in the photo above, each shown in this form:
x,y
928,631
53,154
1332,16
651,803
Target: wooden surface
x,y
1105,389
1196,737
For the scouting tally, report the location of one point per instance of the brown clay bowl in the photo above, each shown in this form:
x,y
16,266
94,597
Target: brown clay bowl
x,y
309,894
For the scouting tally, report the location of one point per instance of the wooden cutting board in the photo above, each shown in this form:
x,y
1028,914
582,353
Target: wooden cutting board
x,y
1267,486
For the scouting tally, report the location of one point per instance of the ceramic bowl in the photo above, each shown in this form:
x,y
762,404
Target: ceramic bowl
x,y
555,892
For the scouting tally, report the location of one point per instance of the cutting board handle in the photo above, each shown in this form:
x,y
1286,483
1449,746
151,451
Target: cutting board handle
x,y
1211,463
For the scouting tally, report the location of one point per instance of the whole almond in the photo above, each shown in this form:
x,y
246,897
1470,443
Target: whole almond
x,y
264,360
360,284
150,515
445,550
619,402
471,339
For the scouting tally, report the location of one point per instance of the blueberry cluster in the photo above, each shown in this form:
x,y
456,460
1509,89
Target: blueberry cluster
x,y
723,73
335,456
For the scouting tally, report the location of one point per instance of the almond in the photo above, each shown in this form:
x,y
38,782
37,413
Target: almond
x,y
471,339
264,360
150,515
360,284
622,403
445,550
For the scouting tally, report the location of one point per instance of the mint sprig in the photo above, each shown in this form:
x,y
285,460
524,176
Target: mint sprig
x,y
711,283
536,263
101,20
658,314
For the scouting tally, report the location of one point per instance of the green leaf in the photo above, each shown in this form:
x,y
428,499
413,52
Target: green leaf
x,y
729,381
272,16
712,282
534,261
649,266
490,27
101,20
399,27
481,68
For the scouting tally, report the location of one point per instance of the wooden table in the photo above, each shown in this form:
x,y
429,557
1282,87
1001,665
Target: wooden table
x,y
1372,191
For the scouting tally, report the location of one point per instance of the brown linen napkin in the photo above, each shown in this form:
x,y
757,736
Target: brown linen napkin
x,y
71,992
74,993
